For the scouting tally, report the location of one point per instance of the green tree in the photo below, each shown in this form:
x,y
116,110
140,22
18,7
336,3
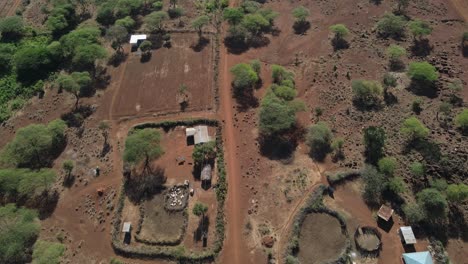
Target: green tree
x,y
61,18
11,27
105,15
337,146
245,78
126,22
284,92
374,141
276,116
199,23
125,8
47,252
7,51
461,120
433,203
32,62
396,185
417,169
391,25
280,74
68,166
20,228
74,83
117,35
457,192
233,15
318,139
419,28
387,166
367,93
301,14
413,129
374,184
86,56
200,209
204,152
422,72
414,214
255,23
143,145
31,146
340,30
395,52
256,66
146,46
155,21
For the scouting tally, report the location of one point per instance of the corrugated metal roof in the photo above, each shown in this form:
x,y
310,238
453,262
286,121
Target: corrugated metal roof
x,y
408,235
126,227
135,38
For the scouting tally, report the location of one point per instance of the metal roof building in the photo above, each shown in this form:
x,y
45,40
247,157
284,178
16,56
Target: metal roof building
x,y
408,235
199,134
418,258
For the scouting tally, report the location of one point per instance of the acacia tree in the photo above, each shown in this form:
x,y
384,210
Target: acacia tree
x,y
318,139
68,167
143,146
34,144
200,209
394,53
340,31
155,21
74,83
301,24
199,23
402,5
117,35
419,28
374,141
414,129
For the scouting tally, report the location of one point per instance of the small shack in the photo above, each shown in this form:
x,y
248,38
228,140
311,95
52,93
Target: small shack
x,y
385,212
135,40
418,258
206,173
407,235
126,227
198,134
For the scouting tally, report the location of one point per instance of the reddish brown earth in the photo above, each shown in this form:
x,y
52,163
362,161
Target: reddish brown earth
x,y
8,7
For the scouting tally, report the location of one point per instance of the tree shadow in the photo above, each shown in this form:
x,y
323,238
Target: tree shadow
x,y
101,77
339,43
144,185
281,147
145,57
258,41
465,48
301,27
424,88
421,48
46,203
76,117
201,44
117,58
202,230
390,98
68,180
375,2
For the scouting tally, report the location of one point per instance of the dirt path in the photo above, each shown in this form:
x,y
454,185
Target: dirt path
x,y
462,8
13,8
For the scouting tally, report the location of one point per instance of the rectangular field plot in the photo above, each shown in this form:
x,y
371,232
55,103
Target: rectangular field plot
x,y
6,7
154,86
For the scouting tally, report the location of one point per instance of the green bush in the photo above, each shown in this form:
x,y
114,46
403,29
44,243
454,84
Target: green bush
x,y
422,72
396,185
340,30
280,74
414,129
417,169
35,145
47,252
318,139
414,214
20,228
388,165
276,116
367,93
419,28
245,78
374,141
433,203
391,25
374,184
204,152
461,120
457,192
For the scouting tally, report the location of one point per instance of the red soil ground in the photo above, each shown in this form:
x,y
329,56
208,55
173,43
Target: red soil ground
x,y
8,7
152,87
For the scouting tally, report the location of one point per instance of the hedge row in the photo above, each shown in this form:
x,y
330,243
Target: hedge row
x,y
178,252
342,176
315,205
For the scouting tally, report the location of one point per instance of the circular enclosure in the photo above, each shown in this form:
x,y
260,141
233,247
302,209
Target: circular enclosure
x,y
321,239
368,240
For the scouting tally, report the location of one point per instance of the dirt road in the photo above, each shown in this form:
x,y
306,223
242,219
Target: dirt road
x,y
462,8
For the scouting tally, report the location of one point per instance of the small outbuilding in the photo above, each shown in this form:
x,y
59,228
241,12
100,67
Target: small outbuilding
x,y
206,173
135,40
418,258
385,212
407,235
126,227
199,134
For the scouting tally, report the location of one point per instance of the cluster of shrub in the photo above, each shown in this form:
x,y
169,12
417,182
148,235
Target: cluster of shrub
x,y
26,180
248,24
